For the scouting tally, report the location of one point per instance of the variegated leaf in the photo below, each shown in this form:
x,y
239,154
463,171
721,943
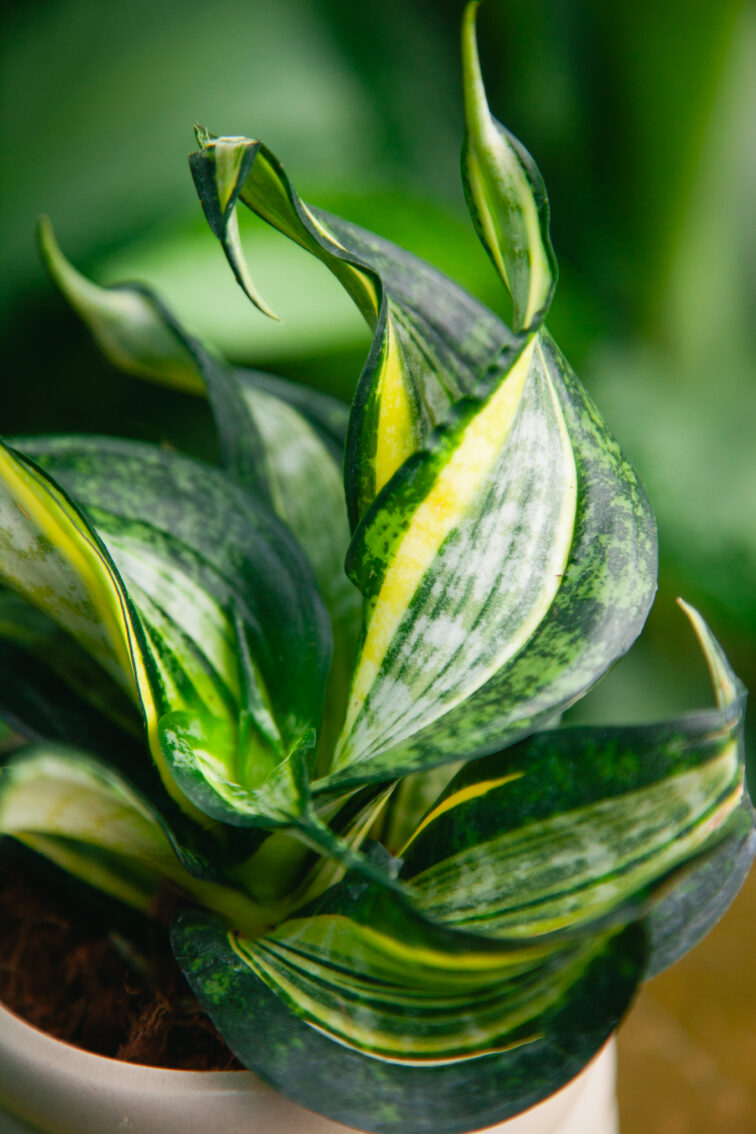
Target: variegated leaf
x,y
432,342
579,827
506,196
229,643
50,556
78,812
52,689
280,441
510,554
504,570
373,1016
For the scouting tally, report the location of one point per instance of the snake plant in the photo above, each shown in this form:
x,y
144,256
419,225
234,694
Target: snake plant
x,y
317,690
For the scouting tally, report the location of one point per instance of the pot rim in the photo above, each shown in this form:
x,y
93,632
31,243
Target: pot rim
x,y
39,1074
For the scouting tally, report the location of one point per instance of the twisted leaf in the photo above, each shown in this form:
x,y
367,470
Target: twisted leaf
x,y
506,196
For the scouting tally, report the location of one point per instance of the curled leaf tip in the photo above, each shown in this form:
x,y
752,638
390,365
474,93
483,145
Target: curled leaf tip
x,y
202,135
220,169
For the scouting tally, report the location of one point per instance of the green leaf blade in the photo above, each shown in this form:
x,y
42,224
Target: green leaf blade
x,y
504,570
506,196
302,1013
576,826
192,549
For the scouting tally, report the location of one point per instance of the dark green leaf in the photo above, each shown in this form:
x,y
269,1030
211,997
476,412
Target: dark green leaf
x,y
386,980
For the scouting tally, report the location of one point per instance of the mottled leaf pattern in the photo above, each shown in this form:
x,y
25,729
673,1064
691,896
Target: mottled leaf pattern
x,y
283,446
367,971
465,649
506,505
425,911
219,597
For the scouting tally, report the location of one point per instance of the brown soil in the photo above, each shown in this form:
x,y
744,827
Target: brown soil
x,y
116,992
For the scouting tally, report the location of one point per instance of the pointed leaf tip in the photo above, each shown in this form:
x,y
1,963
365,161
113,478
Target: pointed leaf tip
x,y
130,325
220,168
506,196
727,687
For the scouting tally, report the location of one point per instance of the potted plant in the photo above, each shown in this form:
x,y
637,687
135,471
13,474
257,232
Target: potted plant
x,y
412,901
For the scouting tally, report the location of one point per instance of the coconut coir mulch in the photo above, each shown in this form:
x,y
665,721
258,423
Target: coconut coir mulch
x,y
113,991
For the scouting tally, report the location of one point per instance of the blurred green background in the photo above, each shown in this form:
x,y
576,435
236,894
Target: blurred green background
x,y
640,117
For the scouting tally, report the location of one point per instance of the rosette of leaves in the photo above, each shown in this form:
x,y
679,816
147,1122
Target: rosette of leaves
x,y
325,709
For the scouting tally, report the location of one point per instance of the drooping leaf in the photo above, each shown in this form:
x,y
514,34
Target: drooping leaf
x,y
506,196
432,342
374,1017
78,812
125,322
571,828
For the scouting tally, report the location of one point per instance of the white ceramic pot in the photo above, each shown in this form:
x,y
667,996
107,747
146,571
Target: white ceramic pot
x,y
49,1087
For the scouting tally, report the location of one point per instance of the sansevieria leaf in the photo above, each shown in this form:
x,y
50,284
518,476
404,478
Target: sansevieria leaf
x,y
221,609
78,812
506,196
520,884
432,341
435,1031
323,711
281,442
569,827
506,551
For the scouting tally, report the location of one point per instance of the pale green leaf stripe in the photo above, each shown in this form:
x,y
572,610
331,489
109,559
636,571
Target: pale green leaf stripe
x,y
49,555
506,196
404,1092
576,867
574,827
79,813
